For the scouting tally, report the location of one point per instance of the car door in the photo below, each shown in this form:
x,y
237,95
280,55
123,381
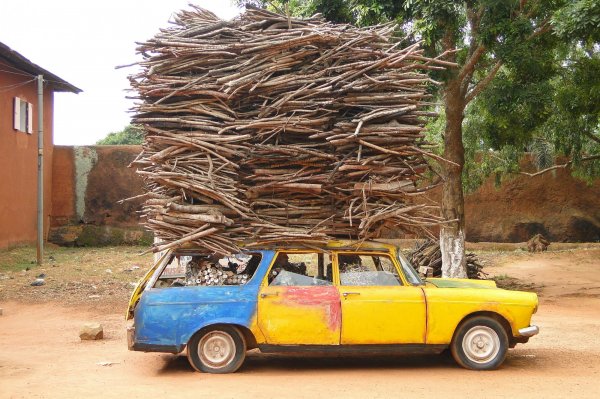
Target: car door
x,y
378,305
298,303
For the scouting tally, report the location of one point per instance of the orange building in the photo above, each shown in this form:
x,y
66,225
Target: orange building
x,y
19,145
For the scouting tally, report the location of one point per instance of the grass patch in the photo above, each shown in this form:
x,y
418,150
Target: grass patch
x,y
18,258
507,282
75,274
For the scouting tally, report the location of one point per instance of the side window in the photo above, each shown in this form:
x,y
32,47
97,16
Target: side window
x,y
367,270
305,269
192,270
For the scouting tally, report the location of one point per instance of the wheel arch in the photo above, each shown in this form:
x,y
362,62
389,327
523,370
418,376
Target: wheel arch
x,y
493,315
248,335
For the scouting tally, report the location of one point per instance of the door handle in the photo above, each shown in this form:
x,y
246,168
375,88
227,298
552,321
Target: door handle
x,y
265,294
346,294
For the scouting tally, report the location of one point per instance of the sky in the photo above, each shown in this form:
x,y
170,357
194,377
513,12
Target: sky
x,y
82,41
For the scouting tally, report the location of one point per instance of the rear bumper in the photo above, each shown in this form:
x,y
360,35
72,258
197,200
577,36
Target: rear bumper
x,y
130,337
529,331
142,347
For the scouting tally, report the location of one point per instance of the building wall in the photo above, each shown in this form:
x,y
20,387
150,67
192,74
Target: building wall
x,y
18,161
63,187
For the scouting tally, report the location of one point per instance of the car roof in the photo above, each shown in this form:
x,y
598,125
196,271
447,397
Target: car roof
x,y
338,245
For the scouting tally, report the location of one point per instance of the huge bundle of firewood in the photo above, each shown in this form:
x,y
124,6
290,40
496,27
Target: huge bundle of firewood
x,y
269,128
426,258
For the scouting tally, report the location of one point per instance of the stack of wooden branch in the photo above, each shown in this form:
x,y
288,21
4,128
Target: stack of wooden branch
x,y
426,258
208,274
538,243
268,128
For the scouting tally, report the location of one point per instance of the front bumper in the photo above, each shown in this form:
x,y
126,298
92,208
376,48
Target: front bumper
x,y
524,335
529,331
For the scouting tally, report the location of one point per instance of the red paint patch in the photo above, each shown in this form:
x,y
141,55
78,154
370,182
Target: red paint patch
x,y
322,297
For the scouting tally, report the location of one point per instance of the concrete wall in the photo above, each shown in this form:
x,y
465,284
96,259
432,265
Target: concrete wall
x,y
18,161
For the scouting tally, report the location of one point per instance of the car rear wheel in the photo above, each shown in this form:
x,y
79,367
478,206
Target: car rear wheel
x,y
480,343
218,350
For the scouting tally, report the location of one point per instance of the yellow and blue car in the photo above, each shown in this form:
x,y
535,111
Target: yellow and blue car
x,y
340,297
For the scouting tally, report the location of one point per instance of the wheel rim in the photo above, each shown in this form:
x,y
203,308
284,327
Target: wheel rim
x,y
481,344
216,349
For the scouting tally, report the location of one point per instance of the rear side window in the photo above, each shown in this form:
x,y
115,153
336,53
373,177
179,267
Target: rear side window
x,y
301,269
367,270
185,269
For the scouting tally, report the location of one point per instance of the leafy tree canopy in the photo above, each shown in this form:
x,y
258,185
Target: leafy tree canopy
x,y
579,19
129,135
526,79
558,116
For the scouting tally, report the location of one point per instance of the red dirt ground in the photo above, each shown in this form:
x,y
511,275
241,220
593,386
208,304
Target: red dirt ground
x,y
41,354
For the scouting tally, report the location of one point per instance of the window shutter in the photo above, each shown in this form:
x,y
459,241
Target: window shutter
x,y
29,118
17,114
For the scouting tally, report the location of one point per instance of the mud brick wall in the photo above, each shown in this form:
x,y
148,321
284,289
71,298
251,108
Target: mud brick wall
x,y
89,181
555,204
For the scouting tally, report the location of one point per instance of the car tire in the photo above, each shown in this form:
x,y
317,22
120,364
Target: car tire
x,y
480,343
217,350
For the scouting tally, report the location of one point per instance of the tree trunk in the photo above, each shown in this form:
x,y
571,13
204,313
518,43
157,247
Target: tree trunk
x,y
452,236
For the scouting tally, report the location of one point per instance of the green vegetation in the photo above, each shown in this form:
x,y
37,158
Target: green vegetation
x,y
18,258
73,275
554,113
23,257
527,79
131,134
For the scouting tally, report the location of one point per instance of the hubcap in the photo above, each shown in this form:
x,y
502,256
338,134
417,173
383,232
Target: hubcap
x,y
481,344
216,349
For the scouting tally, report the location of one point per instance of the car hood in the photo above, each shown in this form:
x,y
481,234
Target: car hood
x,y
461,283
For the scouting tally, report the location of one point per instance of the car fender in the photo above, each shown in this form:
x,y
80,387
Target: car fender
x,y
448,307
186,335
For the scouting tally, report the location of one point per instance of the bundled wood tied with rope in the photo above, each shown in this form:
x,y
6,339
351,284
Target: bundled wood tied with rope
x,y
268,128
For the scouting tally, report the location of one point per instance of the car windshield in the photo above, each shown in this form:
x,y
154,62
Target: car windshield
x,y
411,275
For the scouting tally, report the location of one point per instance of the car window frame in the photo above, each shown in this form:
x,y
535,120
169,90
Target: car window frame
x,y
401,259
265,280
168,257
336,268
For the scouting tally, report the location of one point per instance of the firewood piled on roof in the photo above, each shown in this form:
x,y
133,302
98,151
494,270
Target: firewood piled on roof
x,y
268,128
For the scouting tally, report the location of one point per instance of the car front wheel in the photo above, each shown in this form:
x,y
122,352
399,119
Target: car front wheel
x,y
219,350
480,343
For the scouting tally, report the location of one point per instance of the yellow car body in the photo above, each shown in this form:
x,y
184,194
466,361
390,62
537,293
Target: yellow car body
x,y
376,314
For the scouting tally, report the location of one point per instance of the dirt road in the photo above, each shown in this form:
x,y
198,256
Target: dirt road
x,y
42,356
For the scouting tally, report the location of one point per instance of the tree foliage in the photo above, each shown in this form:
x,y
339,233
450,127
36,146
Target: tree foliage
x,y
579,19
526,79
554,113
131,134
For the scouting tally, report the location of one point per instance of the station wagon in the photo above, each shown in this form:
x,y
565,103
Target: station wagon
x,y
340,297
